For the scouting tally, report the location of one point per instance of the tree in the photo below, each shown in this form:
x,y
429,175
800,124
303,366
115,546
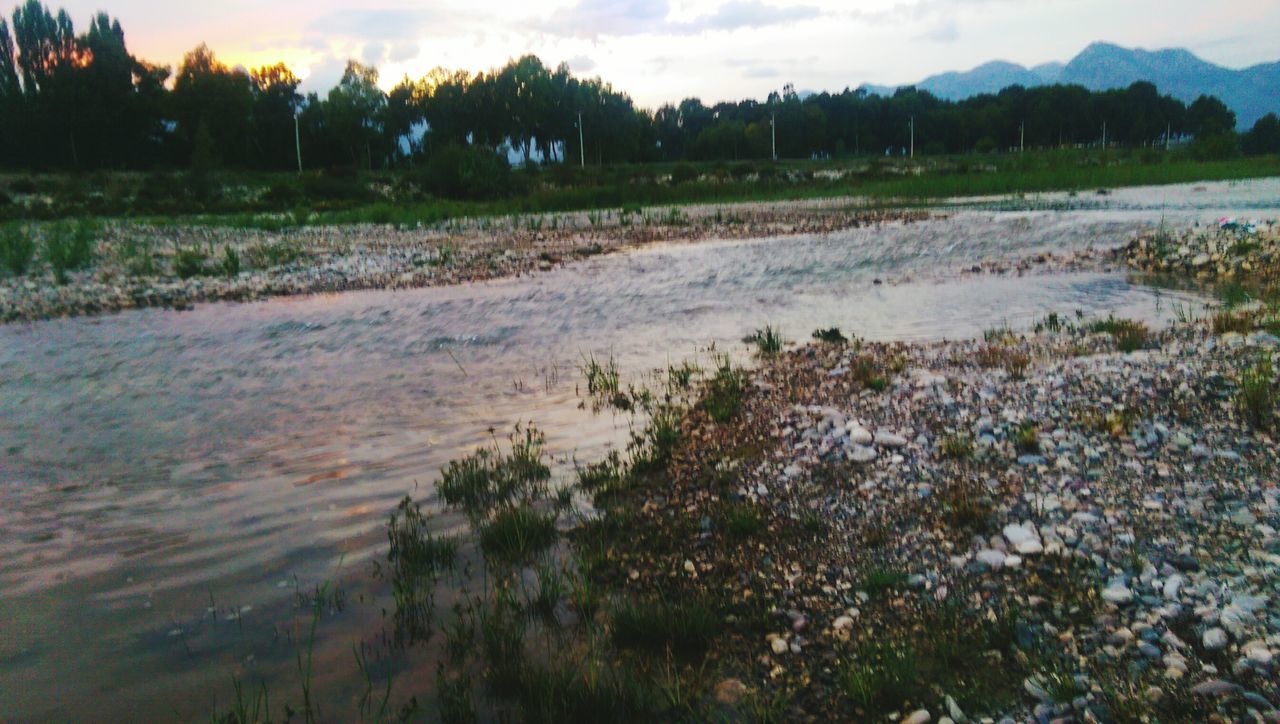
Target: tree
x,y
206,91
354,114
1264,137
1207,116
275,103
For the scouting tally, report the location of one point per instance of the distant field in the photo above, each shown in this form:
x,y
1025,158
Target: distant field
x,y
272,201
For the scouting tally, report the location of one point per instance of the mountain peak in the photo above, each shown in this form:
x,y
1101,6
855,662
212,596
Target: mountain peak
x,y
1103,65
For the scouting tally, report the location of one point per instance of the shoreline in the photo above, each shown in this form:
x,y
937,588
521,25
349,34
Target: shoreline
x,y
135,263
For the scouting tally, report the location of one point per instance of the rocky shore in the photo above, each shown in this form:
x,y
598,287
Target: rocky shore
x,y
138,265
1230,249
1025,528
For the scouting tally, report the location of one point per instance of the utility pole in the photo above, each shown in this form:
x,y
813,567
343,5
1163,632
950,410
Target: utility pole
x,y
1104,135
1168,131
1022,136
913,137
297,141
773,130
582,148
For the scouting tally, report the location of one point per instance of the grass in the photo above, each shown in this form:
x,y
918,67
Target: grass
x,y
881,580
881,676
723,394
965,507
1226,321
604,383
958,446
17,249
1129,335
488,479
1013,361
1257,395
830,335
659,623
69,247
638,186
517,534
768,341
414,560
190,262
741,520
1026,438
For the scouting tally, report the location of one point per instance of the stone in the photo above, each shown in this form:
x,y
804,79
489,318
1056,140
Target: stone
x,y
1214,639
861,454
991,557
1118,593
919,716
779,645
730,691
890,440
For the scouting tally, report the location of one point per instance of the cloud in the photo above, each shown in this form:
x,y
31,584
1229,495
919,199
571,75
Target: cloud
x,y
581,64
948,31
617,18
751,14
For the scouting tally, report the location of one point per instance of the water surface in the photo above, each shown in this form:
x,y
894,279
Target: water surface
x,y
155,465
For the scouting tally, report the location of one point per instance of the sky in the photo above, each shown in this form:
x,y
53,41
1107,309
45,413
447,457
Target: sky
x,y
665,50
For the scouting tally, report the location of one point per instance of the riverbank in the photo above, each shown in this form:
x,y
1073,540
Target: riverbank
x,y
137,265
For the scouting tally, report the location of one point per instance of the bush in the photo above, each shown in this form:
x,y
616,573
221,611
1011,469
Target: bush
x,y
17,249
683,173
329,188
189,263
69,247
467,173
1257,395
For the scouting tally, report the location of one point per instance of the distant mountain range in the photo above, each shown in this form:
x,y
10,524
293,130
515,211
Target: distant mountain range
x,y
1251,92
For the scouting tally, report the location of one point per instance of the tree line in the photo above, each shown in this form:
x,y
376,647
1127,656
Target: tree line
x,y
83,101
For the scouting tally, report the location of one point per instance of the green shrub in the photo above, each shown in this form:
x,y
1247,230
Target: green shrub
x,y
831,335
230,261
69,247
1256,397
517,534
723,395
189,262
768,340
17,249
467,173
660,623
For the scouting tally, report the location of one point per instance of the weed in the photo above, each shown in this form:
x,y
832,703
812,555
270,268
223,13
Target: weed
x,y
768,341
1129,335
741,520
1225,322
966,507
270,254
723,395
17,249
881,580
660,623
189,263
1256,397
516,534
1233,294
1013,361
414,560
69,248
831,335
487,479
999,335
1026,438
958,446
137,257
230,262
880,676
603,383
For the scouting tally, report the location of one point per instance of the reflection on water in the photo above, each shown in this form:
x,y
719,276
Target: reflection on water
x,y
155,465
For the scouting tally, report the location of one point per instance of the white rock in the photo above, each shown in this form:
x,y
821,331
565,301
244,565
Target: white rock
x,y
862,454
991,557
890,440
779,646
860,436
1029,547
1214,639
920,716
1117,592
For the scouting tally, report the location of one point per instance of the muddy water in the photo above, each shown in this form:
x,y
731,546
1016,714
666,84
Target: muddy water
x,y
173,484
